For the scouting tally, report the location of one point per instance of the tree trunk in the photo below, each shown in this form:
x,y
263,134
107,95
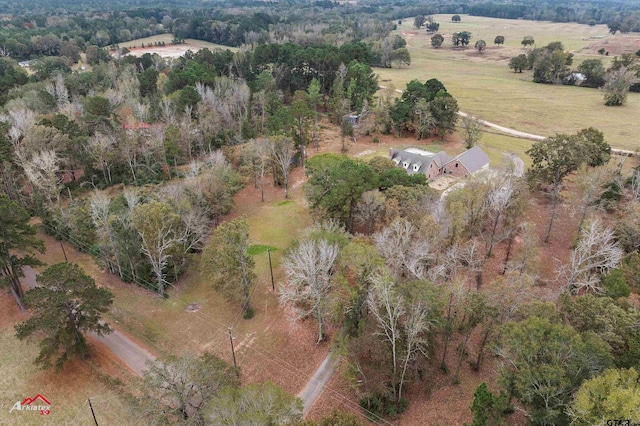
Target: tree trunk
x,y
482,345
443,365
583,216
493,234
508,255
133,173
76,332
456,377
286,186
478,279
157,270
556,196
7,187
320,324
18,299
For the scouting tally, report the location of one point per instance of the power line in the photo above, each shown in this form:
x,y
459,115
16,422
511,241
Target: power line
x,y
266,354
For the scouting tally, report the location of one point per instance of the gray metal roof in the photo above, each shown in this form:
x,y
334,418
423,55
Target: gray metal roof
x,y
473,159
423,161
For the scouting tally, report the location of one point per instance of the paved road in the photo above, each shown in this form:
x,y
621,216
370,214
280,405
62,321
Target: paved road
x,y
314,387
129,352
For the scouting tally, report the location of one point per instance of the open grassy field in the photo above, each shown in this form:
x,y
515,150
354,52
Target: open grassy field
x,y
167,39
67,391
169,50
486,87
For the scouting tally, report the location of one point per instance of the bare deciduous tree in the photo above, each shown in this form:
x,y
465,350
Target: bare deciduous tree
x,y
61,92
309,269
168,111
471,258
23,119
456,297
416,325
387,308
101,148
261,150
405,250
178,390
526,255
635,184
129,151
282,153
157,226
99,210
195,228
42,171
596,253
590,182
501,196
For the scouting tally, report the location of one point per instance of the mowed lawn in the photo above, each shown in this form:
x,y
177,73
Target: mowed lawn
x,y
485,86
67,391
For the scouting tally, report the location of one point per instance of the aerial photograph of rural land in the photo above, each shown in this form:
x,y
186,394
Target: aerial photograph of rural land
x,y
320,212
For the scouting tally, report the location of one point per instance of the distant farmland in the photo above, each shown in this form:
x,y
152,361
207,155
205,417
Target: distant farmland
x,y
486,87
169,50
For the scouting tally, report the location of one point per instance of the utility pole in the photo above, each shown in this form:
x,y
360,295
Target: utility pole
x,y
94,414
233,352
273,286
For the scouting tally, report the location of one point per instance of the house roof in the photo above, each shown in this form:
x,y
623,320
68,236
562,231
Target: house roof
x,y
473,159
420,158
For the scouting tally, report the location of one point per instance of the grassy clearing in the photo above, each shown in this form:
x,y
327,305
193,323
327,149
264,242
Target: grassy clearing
x,y
484,86
572,35
256,249
266,347
496,145
167,38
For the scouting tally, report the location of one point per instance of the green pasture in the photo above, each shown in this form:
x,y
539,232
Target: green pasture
x,y
486,87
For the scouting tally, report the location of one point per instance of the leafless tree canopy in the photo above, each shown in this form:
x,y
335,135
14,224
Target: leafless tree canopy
x,y
596,253
309,269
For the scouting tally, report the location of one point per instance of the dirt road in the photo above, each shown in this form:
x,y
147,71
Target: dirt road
x,y
132,354
314,387
530,136
135,356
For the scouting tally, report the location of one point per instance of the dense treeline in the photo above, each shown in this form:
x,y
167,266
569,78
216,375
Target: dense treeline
x,y
251,23
618,15
551,64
